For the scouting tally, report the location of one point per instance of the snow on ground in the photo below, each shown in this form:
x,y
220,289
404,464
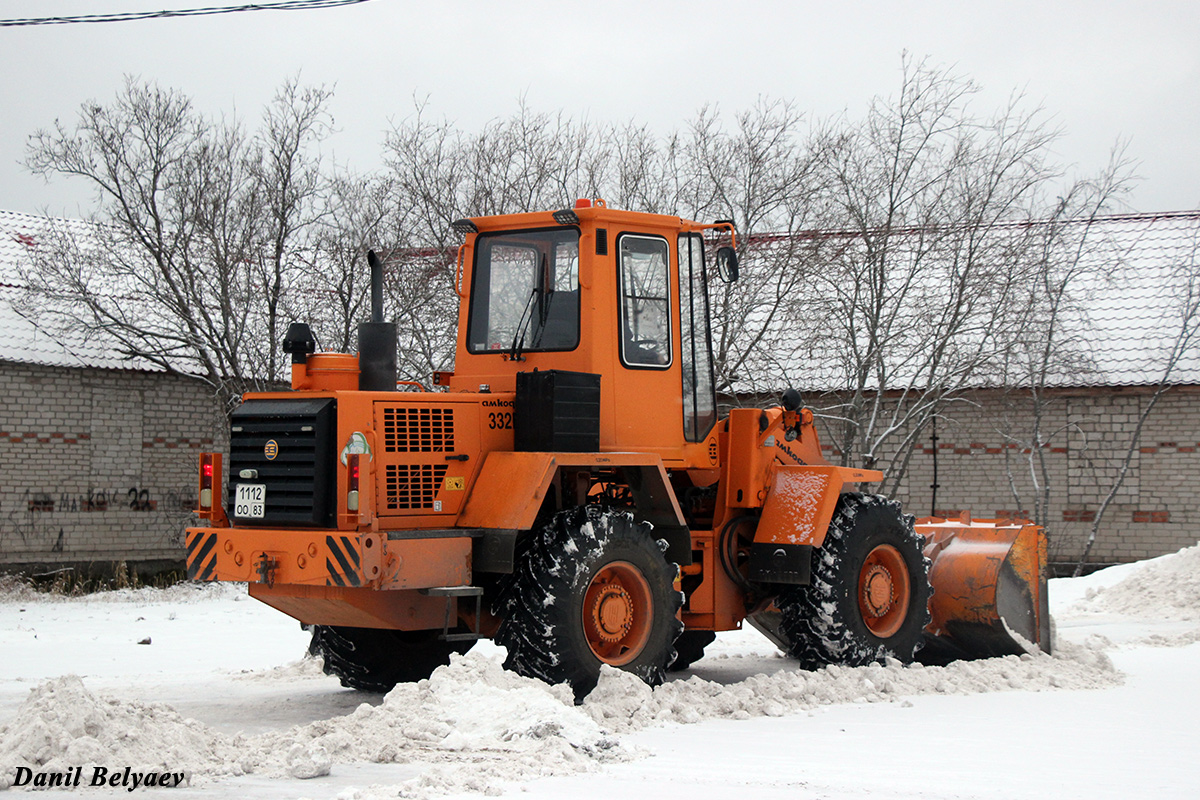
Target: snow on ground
x,y
218,696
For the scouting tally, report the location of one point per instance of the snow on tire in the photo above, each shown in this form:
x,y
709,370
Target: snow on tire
x,y
868,599
590,588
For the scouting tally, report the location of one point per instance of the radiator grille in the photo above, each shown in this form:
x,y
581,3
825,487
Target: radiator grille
x,y
288,445
418,430
412,486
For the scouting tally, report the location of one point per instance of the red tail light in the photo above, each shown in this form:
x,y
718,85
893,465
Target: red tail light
x,y
206,480
352,483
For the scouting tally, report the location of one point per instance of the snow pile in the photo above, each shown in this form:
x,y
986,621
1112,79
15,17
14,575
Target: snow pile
x,y
623,704
1166,588
64,725
473,726
307,668
14,589
186,592
474,712
504,728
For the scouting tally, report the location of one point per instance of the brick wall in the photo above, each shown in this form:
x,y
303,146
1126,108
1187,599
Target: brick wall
x,y
982,458
99,465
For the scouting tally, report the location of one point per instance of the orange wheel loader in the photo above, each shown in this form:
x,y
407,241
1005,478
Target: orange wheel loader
x,y
572,492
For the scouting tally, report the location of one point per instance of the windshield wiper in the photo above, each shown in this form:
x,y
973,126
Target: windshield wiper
x,y
518,342
542,293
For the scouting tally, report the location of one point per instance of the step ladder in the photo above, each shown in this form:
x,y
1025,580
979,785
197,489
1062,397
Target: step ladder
x,y
451,592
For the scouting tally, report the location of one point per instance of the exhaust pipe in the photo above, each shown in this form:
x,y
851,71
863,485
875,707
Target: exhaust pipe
x,y
376,339
376,286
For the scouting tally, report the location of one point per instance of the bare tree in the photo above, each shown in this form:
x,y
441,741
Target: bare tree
x,y
922,291
195,232
288,184
1070,253
332,292
914,288
762,174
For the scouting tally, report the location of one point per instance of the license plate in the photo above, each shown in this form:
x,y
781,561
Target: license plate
x,y
250,500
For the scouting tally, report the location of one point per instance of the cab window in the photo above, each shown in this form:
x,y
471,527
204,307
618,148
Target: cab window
x,y
699,396
525,292
645,309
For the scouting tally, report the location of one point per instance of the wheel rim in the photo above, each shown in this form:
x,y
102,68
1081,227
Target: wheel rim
x,y
884,591
617,613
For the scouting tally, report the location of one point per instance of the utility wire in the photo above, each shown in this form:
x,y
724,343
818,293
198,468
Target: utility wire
x,y
131,16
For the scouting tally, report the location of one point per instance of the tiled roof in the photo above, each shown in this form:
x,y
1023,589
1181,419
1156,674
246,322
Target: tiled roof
x,y
1121,319
1131,315
28,336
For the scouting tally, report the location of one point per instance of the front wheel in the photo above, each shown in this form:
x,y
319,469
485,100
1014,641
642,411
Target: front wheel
x,y
590,588
868,598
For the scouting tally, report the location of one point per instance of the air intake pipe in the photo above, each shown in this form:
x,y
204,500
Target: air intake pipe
x,y
376,339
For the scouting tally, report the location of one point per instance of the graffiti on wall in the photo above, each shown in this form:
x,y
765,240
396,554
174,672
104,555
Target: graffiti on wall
x,y
40,521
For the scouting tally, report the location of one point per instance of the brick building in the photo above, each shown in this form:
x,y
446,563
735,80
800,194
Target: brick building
x,y
1155,511
1125,314
97,451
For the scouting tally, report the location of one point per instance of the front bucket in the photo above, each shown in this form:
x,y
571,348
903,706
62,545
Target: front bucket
x,y
989,589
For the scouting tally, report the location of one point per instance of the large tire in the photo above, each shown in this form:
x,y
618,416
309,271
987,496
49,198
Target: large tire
x,y
689,648
868,599
592,587
375,660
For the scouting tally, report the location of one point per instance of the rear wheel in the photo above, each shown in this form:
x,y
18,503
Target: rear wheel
x,y
689,648
869,595
590,588
375,660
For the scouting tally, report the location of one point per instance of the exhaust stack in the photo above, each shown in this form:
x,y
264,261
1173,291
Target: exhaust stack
x,y
376,339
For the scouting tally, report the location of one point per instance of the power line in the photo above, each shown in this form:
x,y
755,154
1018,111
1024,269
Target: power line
x,y
131,16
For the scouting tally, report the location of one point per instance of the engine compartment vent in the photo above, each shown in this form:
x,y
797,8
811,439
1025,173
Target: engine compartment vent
x,y
412,486
289,446
408,429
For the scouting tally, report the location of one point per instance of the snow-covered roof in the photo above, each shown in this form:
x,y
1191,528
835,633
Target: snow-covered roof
x,y
1123,309
1131,314
1120,316
26,335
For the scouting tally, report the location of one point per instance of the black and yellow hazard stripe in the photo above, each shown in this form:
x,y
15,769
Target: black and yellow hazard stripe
x,y
201,556
342,562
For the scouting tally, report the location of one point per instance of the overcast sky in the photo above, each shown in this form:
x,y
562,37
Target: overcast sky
x,y
1102,70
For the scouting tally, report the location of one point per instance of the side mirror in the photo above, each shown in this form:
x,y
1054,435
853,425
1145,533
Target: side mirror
x,y
727,264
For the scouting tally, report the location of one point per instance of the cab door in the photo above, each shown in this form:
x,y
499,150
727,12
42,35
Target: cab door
x,y
648,409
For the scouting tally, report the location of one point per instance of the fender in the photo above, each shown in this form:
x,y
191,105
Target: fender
x,y
511,486
796,516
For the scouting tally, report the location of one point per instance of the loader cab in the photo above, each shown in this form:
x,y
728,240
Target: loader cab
x,y
618,294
